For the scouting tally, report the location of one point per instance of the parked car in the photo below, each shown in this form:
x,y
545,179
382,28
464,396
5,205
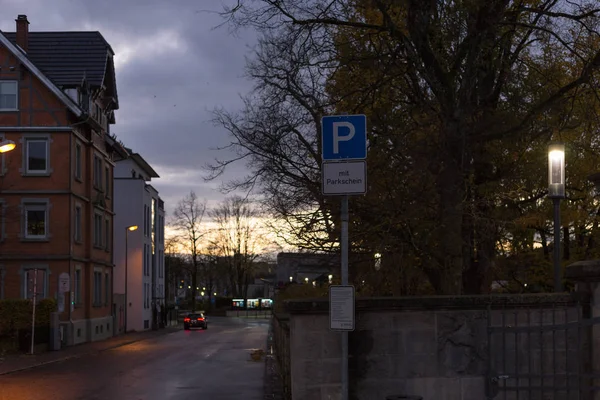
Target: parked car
x,y
195,320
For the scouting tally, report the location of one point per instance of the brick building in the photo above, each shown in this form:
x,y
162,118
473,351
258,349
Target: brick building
x,y
58,95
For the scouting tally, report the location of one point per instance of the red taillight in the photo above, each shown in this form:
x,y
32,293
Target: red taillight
x,y
200,319
186,320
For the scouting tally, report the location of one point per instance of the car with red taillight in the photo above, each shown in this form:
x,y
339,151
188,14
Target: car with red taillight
x,y
195,320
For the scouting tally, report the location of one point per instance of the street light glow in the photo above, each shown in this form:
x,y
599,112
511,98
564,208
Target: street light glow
x,y
556,170
7,145
132,228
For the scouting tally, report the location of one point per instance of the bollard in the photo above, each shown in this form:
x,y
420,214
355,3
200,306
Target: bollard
x,y
405,397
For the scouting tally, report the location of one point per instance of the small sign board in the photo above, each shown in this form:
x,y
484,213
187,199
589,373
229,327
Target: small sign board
x,y
341,308
344,178
64,283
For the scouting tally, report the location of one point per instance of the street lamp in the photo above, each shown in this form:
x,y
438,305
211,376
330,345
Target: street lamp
x,y
7,145
130,228
556,191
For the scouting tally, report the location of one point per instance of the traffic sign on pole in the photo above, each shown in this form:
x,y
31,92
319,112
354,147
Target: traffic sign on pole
x,y
344,178
344,137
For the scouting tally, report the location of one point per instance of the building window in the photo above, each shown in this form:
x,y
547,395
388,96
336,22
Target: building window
x,y
35,278
107,234
145,221
144,295
78,224
148,261
36,157
78,161
97,288
77,288
97,172
107,184
146,266
2,273
98,230
106,289
2,220
8,95
36,220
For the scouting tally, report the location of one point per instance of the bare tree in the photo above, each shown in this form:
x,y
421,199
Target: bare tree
x,y
278,135
187,221
236,240
174,266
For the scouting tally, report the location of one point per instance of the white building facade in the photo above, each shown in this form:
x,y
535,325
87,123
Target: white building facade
x,y
139,250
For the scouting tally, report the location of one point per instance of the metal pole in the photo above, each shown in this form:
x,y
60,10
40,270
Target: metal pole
x,y
126,275
344,248
557,268
33,313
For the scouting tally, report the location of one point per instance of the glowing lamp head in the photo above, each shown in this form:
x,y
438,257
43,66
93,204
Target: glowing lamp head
x,y
132,228
7,145
556,170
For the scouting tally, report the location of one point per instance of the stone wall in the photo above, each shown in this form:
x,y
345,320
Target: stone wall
x,y
442,348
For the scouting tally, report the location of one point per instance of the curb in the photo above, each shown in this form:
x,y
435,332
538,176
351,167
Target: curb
x,y
43,363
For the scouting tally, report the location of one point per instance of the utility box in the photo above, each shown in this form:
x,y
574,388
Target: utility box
x,y
55,340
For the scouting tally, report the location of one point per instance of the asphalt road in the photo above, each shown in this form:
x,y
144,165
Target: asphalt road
x,y
213,364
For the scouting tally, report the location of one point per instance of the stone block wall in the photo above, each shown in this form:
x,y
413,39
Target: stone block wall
x,y
464,348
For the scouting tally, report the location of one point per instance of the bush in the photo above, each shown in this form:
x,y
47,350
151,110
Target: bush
x,y
15,315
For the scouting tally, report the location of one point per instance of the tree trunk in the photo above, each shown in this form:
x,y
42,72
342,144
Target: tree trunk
x,y
450,184
194,284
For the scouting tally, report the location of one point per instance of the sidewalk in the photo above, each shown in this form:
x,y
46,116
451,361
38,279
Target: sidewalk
x,y
20,362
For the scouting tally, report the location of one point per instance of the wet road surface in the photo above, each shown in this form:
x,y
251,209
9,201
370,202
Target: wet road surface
x,y
213,364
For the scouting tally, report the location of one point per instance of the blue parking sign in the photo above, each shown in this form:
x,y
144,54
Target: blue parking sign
x,y
344,137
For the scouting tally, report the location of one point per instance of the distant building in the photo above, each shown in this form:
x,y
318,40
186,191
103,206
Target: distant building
x,y
138,204
305,267
58,95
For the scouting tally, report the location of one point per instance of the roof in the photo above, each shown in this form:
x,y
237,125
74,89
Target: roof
x,y
139,160
66,57
40,75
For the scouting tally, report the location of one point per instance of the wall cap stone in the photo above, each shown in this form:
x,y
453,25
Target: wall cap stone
x,y
495,301
584,271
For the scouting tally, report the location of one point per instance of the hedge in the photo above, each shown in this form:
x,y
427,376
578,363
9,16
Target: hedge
x,y
15,314
298,291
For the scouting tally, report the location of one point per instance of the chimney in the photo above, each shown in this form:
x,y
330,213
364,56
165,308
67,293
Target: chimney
x,y
22,32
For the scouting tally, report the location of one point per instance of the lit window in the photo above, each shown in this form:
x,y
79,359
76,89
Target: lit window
x,y
36,224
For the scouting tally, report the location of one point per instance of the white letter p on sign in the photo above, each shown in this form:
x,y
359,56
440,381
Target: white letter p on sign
x,y
336,136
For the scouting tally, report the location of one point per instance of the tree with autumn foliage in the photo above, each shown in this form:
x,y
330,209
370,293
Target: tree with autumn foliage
x,y
462,97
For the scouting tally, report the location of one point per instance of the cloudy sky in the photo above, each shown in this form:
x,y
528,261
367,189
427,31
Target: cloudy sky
x,y
174,66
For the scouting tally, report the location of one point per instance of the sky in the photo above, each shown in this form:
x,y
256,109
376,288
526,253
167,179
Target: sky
x,y
174,65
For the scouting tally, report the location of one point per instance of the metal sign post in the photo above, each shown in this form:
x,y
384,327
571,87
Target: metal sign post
x,y
344,245
344,141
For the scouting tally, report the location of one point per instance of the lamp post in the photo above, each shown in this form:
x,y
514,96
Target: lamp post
x,y
556,191
130,228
